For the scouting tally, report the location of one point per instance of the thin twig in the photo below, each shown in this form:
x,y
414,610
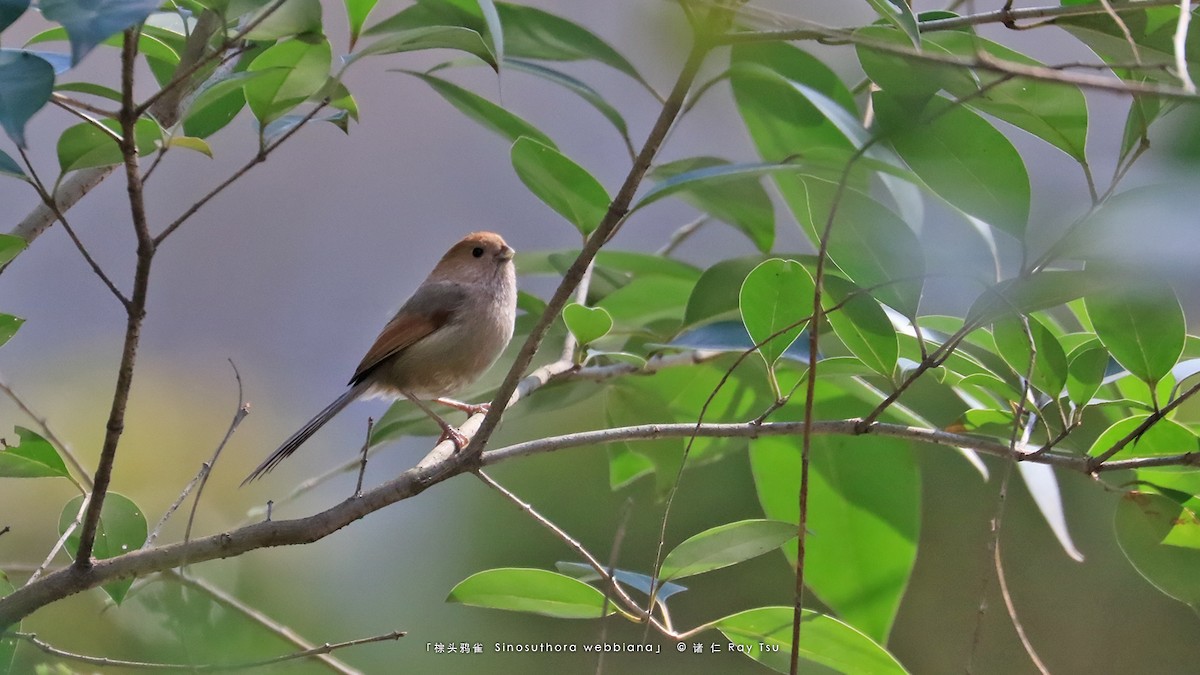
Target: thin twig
x,y
83,481
362,469
62,541
102,661
51,204
243,409
259,158
613,556
1137,432
630,606
681,235
1012,614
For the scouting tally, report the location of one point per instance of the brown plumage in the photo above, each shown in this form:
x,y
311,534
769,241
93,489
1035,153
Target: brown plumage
x,y
442,339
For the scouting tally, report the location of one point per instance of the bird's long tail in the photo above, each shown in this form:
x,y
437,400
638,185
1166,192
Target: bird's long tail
x,y
297,439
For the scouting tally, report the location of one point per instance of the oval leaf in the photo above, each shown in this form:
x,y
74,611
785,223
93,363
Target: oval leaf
x,y
562,184
90,23
1143,520
531,590
26,83
861,324
1143,328
776,297
766,634
725,545
122,529
83,145
292,72
430,37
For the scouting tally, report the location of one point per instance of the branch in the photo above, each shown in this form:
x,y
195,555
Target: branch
x,y
612,220
1099,460
326,648
135,312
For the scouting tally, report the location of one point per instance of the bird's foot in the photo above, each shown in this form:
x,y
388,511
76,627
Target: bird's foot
x,y
469,408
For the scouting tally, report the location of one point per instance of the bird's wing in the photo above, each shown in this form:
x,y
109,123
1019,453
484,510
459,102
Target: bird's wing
x,y
431,307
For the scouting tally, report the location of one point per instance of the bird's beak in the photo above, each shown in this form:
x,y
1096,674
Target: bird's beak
x,y
506,253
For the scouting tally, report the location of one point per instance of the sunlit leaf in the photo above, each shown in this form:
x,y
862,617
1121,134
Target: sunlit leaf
x,y
562,184
1143,328
725,545
83,145
765,635
32,457
292,71
1143,520
587,324
531,590
775,301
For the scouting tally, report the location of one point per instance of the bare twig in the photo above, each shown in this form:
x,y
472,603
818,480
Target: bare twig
x,y
681,235
1180,44
62,541
259,158
630,606
243,409
326,648
362,469
83,481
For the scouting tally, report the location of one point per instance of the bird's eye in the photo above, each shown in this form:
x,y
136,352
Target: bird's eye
x,y
477,251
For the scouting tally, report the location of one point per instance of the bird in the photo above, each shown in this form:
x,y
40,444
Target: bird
x,y
442,339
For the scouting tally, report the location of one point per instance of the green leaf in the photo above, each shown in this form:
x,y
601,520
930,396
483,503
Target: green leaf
x,y
148,45
864,520
579,88
495,31
1086,366
641,582
716,294
122,529
90,23
536,34
775,295
962,158
898,13
646,300
26,83
8,323
1143,520
9,167
560,183
90,88
628,405
725,545
430,37
357,12
1153,32
292,72
190,143
766,636
1143,328
1050,362
488,114
216,103
531,590
293,17
10,11
1164,437
83,145
1054,112
1042,483
1036,292
861,324
32,457
587,324
874,248
10,247
728,192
